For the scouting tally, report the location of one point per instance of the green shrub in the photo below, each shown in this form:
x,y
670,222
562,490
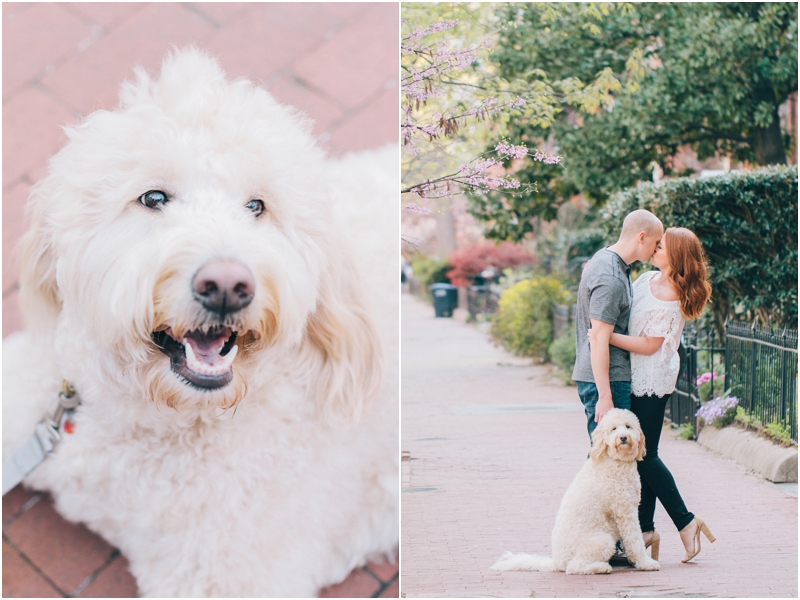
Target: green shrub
x,y
705,392
686,431
778,432
523,323
745,419
429,271
562,353
747,223
775,431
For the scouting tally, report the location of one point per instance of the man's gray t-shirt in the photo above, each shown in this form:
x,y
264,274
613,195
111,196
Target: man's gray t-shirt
x,y
604,294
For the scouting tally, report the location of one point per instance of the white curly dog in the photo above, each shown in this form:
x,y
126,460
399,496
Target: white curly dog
x,y
599,508
197,270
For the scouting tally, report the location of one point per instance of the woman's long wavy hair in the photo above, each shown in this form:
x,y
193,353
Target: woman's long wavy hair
x,y
688,270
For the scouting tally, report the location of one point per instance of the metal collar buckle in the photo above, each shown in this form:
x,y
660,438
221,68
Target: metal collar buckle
x,y
45,438
48,430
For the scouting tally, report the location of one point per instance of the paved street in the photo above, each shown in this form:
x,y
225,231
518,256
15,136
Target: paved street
x,y
494,443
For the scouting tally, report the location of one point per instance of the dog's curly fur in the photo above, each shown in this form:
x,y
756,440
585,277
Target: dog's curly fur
x,y
599,508
285,479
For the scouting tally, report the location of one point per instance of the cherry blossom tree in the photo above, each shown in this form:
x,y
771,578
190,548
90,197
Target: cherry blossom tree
x,y
455,103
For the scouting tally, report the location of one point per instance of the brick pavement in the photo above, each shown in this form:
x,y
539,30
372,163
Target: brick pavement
x,y
495,441
337,62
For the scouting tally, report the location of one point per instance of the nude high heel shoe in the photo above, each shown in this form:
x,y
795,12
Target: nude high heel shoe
x,y
701,526
655,542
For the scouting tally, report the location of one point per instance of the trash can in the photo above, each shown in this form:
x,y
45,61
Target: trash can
x,y
445,299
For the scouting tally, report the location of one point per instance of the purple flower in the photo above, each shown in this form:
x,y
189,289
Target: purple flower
x,y
717,408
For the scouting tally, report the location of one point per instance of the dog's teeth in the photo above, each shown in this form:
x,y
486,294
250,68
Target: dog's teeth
x,y
228,358
190,355
199,366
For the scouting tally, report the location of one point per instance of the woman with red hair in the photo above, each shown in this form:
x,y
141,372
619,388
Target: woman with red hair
x,y
662,301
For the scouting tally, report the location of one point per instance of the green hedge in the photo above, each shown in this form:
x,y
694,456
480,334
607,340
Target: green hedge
x,y
430,270
747,222
523,323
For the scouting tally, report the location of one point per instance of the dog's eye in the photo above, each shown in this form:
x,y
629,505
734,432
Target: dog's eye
x,y
256,206
153,199
613,429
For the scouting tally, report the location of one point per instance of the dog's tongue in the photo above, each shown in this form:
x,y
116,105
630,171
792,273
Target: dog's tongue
x,y
207,346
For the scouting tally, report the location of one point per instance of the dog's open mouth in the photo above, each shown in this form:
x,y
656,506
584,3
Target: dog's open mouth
x,y
201,359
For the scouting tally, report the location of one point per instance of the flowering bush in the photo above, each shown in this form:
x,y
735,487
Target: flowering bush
x,y
719,412
707,377
471,261
705,383
523,323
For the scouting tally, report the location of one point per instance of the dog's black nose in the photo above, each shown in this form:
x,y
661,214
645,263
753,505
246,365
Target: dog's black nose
x,y
223,286
623,439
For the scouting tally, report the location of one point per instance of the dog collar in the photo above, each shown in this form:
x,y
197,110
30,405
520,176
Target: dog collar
x,y
44,440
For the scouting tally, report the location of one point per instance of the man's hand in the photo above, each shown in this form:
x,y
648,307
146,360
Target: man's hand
x,y
603,406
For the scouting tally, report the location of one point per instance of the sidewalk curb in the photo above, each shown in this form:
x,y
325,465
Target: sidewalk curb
x,y
773,462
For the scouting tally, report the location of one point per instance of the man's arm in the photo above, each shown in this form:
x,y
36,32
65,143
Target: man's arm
x,y
600,357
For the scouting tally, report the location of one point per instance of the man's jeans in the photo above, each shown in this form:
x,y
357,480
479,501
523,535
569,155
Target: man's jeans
x,y
620,395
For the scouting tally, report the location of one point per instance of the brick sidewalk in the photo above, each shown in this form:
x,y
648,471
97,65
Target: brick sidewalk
x,y
494,443
337,62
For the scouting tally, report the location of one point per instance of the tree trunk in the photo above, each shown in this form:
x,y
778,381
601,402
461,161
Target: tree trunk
x,y
768,143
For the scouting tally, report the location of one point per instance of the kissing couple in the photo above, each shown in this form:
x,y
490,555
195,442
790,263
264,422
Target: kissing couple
x,y
627,338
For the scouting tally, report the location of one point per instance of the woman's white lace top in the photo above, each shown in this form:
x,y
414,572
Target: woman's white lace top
x,y
658,373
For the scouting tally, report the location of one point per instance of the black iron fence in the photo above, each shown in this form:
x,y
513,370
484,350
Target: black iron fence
x,y
563,315
762,372
699,354
759,367
481,300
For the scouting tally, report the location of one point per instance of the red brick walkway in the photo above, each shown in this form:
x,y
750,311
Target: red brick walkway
x,y
337,62
494,443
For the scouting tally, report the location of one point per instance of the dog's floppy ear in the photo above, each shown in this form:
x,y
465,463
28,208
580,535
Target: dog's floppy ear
x,y
640,451
38,293
599,445
347,339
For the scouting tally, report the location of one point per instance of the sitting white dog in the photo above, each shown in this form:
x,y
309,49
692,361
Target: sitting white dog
x,y
599,508
194,270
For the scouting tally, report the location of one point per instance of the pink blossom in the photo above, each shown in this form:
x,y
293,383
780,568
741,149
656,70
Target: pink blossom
x,y
484,164
707,377
506,149
416,208
431,130
435,27
548,159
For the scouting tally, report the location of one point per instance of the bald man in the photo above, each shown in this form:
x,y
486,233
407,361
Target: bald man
x,y
605,297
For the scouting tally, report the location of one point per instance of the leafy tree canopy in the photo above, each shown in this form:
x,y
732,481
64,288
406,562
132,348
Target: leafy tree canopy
x,y
710,75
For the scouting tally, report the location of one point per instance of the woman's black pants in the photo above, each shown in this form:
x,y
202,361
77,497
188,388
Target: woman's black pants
x,y
657,481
